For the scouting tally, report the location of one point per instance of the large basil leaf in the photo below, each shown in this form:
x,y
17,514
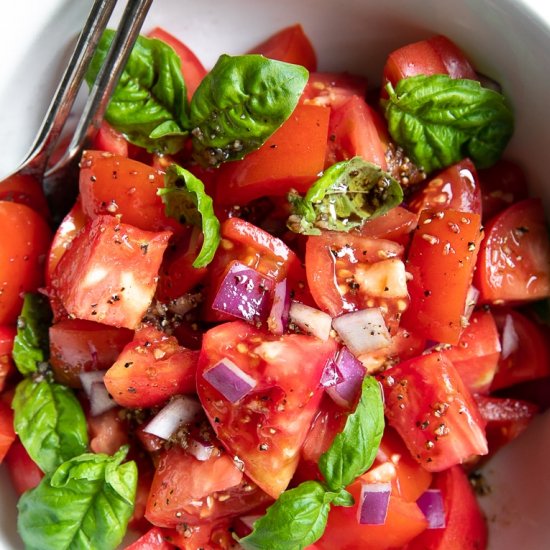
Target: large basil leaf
x,y
240,103
86,503
50,422
354,449
31,344
187,201
347,194
439,120
297,519
149,105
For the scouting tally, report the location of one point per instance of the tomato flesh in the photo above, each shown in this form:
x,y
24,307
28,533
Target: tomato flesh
x,y
431,409
266,427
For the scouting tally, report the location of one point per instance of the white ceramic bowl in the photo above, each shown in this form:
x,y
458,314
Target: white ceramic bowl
x,y
508,40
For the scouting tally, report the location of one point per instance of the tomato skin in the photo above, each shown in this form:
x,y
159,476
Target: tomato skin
x,y
506,418
7,367
531,359
280,407
150,369
431,409
466,527
27,190
109,140
7,433
23,471
109,273
290,45
111,184
347,272
502,184
291,158
79,346
24,242
514,260
436,55
476,356
456,187
441,260
355,130
182,484
209,536
395,225
71,224
403,522
192,69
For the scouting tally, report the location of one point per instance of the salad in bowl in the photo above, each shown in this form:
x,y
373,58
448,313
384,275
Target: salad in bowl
x,y
300,298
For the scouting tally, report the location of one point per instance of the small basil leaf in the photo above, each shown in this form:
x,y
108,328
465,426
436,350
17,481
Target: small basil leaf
x,y
31,344
297,519
439,120
354,449
50,422
347,194
186,200
343,498
240,103
149,104
86,503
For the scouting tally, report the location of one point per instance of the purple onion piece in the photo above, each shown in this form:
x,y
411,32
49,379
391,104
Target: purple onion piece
x,y
277,320
373,505
100,400
363,330
244,293
431,504
200,450
229,380
331,375
181,410
350,372
311,320
88,378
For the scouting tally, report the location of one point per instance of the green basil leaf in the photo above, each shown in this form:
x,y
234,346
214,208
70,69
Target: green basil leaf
x,y
86,503
297,519
439,120
186,200
354,449
347,194
343,498
149,104
240,103
50,422
31,344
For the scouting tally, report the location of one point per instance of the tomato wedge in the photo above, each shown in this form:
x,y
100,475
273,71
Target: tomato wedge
x,y
150,369
441,260
291,45
266,427
514,261
431,409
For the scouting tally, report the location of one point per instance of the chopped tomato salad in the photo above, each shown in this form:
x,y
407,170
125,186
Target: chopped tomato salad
x,y
295,322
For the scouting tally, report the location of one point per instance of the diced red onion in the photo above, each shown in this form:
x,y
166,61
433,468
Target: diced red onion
x,y
431,504
277,320
510,339
471,301
310,320
181,410
90,377
244,293
373,505
488,82
331,375
362,331
249,521
100,400
201,450
232,382
350,372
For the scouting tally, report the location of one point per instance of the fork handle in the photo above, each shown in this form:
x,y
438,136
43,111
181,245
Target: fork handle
x,y
59,109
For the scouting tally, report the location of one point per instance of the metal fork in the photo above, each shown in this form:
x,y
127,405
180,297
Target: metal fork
x,y
36,161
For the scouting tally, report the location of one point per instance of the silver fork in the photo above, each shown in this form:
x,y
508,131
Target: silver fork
x,y
36,161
